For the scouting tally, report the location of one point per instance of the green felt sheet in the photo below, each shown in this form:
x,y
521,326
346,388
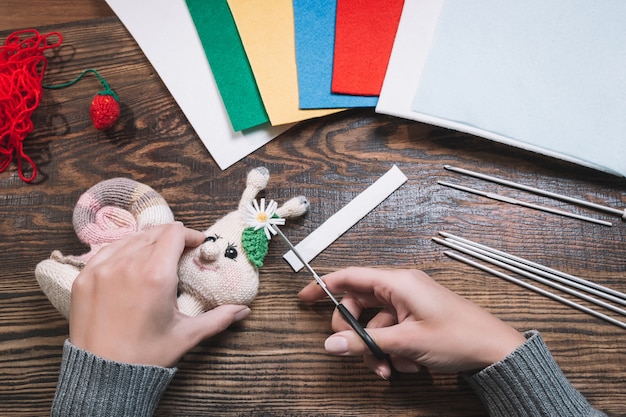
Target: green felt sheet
x,y
229,63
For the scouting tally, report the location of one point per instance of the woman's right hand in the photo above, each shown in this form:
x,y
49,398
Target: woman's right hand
x,y
420,323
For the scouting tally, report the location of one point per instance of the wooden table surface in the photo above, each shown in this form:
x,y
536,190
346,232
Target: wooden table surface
x,y
273,363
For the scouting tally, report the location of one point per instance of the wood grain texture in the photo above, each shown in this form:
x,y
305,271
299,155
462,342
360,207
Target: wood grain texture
x,y
273,363
18,14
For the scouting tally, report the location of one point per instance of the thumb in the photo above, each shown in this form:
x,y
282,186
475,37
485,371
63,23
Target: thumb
x,y
346,343
349,343
214,321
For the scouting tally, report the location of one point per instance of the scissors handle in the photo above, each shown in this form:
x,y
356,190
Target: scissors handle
x,y
354,323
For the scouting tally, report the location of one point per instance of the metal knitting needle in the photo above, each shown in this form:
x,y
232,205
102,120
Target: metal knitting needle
x,y
537,289
550,271
509,200
539,191
523,266
534,277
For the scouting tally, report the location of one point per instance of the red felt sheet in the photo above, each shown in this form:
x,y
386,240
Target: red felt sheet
x,y
364,35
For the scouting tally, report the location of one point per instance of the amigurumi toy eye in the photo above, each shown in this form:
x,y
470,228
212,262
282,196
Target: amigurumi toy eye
x,y
222,270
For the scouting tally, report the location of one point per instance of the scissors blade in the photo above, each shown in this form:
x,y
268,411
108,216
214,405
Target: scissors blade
x,y
352,321
306,264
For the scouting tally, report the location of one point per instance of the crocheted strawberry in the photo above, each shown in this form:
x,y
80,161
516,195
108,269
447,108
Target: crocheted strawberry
x,y
105,107
104,110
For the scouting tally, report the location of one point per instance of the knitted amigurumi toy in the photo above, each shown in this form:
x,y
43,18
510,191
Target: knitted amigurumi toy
x,y
222,270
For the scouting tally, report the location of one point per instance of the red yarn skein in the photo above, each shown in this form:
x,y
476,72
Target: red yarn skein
x,y
22,66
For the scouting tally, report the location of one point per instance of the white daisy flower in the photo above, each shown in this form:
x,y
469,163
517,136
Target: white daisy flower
x,y
262,217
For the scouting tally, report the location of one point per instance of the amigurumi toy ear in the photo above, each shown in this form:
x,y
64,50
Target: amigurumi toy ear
x,y
108,211
225,268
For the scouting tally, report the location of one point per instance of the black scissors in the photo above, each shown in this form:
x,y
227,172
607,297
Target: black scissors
x,y
345,313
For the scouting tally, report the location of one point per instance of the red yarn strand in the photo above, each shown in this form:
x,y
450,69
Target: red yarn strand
x,y
22,67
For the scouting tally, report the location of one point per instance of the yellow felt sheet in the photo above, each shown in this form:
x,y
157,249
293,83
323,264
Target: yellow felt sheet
x,y
266,29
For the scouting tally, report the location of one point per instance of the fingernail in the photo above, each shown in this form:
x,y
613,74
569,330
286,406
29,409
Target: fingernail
x,y
336,345
242,314
381,374
413,369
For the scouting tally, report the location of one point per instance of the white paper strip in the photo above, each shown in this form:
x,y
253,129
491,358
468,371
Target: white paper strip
x,y
346,217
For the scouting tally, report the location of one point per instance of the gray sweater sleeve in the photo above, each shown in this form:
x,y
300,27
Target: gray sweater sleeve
x,y
92,386
529,382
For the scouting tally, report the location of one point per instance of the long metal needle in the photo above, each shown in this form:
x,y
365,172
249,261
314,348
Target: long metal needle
x,y
537,289
509,200
539,191
536,266
532,276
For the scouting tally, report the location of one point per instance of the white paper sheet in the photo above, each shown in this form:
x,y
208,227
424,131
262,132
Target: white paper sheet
x,y
167,36
586,129
410,50
346,217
